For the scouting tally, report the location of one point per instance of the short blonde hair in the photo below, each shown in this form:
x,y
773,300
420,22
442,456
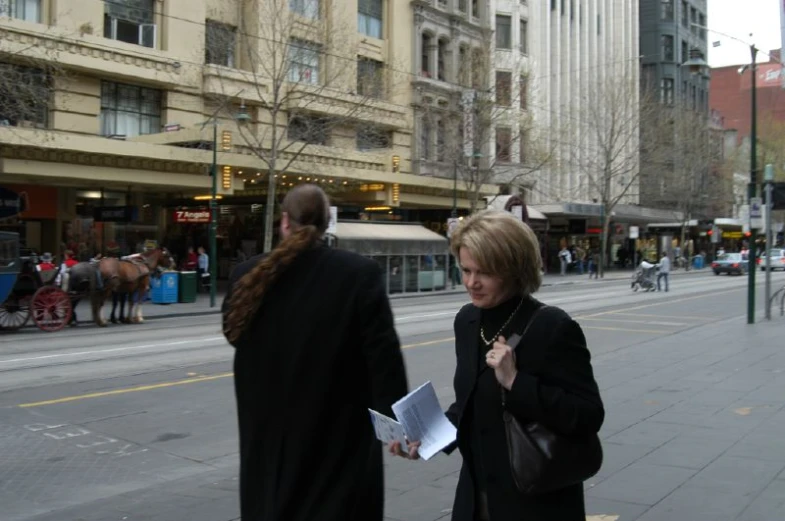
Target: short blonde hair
x,y
502,246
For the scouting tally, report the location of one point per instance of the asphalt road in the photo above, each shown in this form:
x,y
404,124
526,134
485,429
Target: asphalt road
x,y
138,422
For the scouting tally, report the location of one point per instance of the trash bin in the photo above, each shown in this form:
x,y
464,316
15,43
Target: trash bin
x,y
697,262
163,289
187,287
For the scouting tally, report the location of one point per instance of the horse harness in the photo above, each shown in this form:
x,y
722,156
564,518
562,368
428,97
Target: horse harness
x,y
140,263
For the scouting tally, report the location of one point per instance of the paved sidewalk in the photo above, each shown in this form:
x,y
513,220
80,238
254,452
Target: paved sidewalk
x,y
202,304
693,432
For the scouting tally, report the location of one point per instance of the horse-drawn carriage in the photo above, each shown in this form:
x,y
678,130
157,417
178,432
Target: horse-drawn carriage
x,y
26,292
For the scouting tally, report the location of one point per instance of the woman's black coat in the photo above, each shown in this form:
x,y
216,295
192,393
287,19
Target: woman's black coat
x,y
555,385
320,352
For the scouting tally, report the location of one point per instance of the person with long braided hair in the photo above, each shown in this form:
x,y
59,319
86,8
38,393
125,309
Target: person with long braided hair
x,y
315,348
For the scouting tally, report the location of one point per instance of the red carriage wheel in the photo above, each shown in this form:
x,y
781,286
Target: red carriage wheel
x,y
51,308
14,312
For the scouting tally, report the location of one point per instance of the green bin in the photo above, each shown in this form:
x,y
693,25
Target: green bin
x,y
187,289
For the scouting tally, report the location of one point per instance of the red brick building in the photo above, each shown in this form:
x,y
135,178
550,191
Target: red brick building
x,y
730,94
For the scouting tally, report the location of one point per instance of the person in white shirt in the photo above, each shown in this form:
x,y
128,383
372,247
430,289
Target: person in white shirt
x,y
665,269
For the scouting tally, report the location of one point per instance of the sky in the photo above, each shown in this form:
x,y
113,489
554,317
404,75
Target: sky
x,y
739,18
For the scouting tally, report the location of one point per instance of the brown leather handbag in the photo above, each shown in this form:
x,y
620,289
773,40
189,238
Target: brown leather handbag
x,y
541,460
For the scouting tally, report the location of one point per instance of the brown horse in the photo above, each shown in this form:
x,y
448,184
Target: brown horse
x,y
129,275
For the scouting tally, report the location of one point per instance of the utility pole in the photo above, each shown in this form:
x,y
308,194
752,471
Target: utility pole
x,y
753,185
769,178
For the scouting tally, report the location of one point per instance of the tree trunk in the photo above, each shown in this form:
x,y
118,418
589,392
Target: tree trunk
x,y
269,214
604,254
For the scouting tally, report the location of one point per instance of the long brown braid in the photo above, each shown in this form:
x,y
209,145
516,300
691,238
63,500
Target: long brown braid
x,y
308,210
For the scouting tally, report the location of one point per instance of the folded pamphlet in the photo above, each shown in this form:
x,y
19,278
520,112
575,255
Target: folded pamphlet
x,y
419,418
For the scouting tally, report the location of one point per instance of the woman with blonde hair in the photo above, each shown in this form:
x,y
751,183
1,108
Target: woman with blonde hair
x,y
547,378
315,349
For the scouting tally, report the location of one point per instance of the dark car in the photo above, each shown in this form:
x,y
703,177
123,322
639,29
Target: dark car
x,y
729,263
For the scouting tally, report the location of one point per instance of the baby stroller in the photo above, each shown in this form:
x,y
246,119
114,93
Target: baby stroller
x,y
644,277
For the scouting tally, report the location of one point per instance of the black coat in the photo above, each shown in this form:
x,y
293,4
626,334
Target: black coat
x,y
555,385
320,352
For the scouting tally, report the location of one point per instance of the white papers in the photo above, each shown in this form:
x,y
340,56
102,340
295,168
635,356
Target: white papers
x,y
421,419
387,429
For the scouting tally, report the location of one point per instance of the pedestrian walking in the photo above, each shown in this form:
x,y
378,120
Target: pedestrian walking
x,y
547,379
203,268
316,347
665,269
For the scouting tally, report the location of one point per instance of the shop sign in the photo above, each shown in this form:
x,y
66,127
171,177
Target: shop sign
x,y
11,203
116,214
191,216
732,235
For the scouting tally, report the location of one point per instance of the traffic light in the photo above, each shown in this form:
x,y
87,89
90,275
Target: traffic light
x,y
748,234
710,233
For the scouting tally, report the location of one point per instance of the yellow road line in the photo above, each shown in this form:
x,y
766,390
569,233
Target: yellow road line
x,y
126,390
664,303
186,381
625,330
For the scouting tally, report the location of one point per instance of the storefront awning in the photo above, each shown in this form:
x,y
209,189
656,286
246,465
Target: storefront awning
x,y
381,238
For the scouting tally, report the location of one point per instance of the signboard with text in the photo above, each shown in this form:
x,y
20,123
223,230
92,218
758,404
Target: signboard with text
x,y
114,214
191,216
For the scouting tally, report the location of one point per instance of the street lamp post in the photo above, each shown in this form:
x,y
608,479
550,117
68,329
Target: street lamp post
x,y
213,216
753,185
241,117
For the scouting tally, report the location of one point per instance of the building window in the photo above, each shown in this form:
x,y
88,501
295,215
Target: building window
x,y
131,21
685,54
128,110
303,62
441,141
369,17
599,24
476,8
685,14
305,8
522,144
504,88
694,20
702,22
425,62
464,66
372,138
27,10
370,78
462,6
503,145
503,32
425,139
667,47
524,37
25,96
667,9
523,91
309,129
441,69
220,43
666,91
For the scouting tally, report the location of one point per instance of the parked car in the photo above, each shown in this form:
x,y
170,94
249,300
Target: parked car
x,y
729,263
777,259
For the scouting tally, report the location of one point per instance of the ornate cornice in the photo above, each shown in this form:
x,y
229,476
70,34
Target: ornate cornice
x,y
51,47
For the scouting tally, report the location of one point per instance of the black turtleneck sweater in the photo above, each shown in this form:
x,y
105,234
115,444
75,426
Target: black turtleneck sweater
x,y
487,425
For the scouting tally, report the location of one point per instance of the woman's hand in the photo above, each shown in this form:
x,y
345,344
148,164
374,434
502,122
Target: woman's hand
x,y
414,450
501,358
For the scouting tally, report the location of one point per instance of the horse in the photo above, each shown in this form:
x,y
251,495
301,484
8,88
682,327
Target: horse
x,y
81,280
130,276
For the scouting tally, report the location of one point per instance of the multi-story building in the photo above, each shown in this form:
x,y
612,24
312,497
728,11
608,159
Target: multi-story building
x,y
451,66
577,48
103,107
672,34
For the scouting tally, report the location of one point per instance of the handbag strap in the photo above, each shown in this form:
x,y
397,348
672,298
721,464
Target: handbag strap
x,y
515,339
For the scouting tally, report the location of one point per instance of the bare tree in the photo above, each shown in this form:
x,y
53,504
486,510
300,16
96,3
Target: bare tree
x,y
487,135
303,84
607,153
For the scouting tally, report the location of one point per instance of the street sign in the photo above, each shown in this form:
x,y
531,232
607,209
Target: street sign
x,y
332,227
756,213
634,232
452,224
